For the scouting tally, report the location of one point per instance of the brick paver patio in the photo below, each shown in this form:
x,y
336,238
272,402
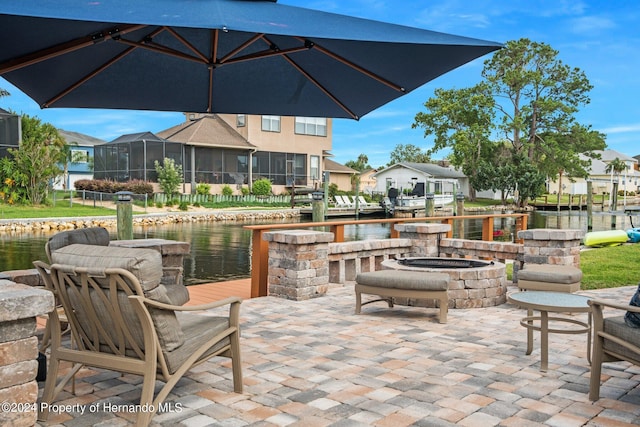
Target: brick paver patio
x,y
315,363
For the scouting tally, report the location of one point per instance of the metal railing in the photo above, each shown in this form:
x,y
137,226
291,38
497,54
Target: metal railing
x,y
260,247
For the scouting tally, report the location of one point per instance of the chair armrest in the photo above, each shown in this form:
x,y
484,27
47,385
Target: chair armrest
x,y
600,303
200,307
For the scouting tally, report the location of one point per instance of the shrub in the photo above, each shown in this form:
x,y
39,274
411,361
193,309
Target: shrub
x,y
262,187
158,205
136,186
203,188
169,175
183,206
333,190
245,191
227,191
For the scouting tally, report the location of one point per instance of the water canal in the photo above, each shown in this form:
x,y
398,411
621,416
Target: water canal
x,y
221,251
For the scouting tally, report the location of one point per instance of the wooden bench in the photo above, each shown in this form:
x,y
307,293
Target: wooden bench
x,y
549,277
391,284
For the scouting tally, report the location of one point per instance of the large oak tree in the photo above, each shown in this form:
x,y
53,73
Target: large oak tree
x,y
518,124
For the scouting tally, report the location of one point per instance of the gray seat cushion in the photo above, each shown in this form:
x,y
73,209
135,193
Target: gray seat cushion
x,y
550,273
617,327
399,279
87,236
197,329
145,264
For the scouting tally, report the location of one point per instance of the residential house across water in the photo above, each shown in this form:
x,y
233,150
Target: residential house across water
x,y
226,149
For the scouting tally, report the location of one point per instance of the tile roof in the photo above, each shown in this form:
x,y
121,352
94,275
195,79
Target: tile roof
x,y
208,130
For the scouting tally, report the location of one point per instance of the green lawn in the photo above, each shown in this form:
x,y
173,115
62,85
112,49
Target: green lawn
x,y
610,267
61,210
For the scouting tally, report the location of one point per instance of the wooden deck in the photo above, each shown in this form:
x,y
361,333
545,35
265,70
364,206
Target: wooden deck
x,y
201,294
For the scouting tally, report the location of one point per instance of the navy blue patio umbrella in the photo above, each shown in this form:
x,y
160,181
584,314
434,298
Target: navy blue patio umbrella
x,y
218,56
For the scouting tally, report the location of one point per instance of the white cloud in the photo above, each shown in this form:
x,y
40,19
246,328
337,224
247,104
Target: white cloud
x,y
590,24
634,127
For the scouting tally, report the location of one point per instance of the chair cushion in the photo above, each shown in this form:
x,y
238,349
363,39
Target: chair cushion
x,y
399,279
86,236
617,327
550,273
197,330
145,265
631,317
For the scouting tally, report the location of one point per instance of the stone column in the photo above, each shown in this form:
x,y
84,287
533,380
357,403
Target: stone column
x,y
425,236
551,246
19,306
298,263
172,252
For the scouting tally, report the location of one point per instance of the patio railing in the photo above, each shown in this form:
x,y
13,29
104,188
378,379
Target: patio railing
x,y
260,247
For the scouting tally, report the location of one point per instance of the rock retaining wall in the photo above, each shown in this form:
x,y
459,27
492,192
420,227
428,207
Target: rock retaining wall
x,y
58,224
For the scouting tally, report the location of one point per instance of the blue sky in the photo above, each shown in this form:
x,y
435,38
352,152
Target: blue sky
x,y
601,37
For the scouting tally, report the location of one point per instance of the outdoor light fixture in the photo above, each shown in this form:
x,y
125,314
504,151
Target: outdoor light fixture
x,y
124,196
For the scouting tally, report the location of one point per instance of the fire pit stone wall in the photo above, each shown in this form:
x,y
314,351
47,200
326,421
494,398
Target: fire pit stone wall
x,y
474,287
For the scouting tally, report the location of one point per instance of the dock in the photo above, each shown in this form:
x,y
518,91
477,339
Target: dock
x,y
207,292
374,211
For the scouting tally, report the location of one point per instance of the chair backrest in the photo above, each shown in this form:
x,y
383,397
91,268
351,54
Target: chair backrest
x,y
94,283
86,236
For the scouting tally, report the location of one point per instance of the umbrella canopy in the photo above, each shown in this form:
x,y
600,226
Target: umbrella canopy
x,y
222,56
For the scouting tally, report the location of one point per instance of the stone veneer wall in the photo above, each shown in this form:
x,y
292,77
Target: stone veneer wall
x,y
347,259
551,246
298,263
143,220
19,306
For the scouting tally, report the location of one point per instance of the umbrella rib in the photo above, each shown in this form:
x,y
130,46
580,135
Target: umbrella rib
x,y
64,48
241,47
357,67
214,54
186,43
265,54
322,88
164,50
86,78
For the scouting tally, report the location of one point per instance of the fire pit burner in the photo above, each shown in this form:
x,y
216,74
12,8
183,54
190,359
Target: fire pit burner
x,y
443,262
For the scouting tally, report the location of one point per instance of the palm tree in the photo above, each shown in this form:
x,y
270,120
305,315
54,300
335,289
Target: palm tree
x,y
616,166
67,156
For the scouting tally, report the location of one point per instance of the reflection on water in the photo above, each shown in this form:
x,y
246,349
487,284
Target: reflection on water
x,y
222,250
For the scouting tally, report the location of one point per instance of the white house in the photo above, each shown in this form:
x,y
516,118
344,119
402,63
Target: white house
x,y
437,179
602,181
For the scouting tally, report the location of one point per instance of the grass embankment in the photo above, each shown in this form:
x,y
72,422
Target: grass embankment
x,y
19,212
610,267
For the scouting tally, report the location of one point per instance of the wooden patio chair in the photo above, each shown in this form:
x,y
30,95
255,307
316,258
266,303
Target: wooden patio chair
x,y
120,320
613,340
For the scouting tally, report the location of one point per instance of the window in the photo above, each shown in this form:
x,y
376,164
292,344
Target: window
x,y
79,156
271,123
315,167
316,126
241,120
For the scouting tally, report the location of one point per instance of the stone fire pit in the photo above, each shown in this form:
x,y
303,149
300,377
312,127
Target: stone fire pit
x,y
473,283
